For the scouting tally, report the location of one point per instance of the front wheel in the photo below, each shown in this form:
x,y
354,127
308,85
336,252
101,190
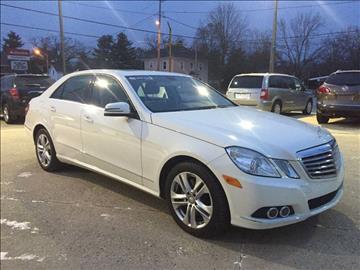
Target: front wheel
x,y
8,117
308,107
196,200
45,151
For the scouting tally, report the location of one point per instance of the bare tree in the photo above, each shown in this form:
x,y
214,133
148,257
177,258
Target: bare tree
x,y
219,36
296,45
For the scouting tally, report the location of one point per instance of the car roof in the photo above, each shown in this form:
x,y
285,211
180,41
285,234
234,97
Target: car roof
x,y
263,74
346,71
118,72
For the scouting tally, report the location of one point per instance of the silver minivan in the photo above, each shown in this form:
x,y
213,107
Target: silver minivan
x,y
270,92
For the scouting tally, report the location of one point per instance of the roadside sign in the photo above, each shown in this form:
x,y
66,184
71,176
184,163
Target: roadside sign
x,y
18,54
19,65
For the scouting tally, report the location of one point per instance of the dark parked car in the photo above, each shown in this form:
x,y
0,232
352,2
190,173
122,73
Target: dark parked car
x,y
339,96
16,92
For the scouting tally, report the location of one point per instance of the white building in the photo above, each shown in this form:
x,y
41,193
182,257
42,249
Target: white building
x,y
183,61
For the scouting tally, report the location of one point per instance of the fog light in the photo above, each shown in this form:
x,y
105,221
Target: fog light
x,y
284,211
272,213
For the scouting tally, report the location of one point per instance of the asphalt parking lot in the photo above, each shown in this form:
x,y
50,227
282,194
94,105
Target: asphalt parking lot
x,y
76,219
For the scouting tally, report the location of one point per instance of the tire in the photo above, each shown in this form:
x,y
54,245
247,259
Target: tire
x,y
322,119
308,107
7,116
207,203
47,158
277,107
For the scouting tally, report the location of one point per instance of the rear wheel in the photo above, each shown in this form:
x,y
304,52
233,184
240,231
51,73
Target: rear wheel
x,y
322,119
308,107
45,151
8,117
277,107
196,200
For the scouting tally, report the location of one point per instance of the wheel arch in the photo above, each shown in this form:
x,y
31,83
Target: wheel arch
x,y
37,127
172,162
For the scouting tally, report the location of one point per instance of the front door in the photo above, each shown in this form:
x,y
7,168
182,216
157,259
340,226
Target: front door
x,y
111,143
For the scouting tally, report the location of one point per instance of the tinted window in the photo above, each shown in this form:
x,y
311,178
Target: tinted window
x,y
345,78
107,90
176,93
282,82
247,82
74,89
33,81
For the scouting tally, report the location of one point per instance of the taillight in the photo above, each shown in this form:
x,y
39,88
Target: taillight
x,y
14,93
323,89
264,94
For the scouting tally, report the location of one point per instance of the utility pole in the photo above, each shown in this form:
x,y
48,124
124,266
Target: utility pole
x,y
273,40
62,49
170,47
159,36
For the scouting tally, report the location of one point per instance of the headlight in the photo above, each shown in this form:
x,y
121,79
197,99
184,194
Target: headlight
x,y
252,162
286,167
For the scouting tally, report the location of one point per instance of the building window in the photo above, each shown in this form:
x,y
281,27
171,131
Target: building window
x,y
182,65
164,65
151,65
191,66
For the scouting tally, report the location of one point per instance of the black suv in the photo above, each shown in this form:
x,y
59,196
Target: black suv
x,y
339,96
16,92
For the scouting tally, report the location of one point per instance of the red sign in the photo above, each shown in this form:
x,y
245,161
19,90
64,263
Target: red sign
x,y
20,52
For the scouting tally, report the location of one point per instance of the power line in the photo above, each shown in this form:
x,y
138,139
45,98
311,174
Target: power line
x,y
262,9
92,21
109,8
144,30
48,30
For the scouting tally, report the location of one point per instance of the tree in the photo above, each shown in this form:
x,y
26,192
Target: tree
x,y
341,51
103,52
296,45
124,55
221,34
12,41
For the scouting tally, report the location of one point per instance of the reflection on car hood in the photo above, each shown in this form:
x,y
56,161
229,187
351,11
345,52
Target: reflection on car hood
x,y
274,135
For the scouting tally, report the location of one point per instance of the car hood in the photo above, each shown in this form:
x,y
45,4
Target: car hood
x,y
273,135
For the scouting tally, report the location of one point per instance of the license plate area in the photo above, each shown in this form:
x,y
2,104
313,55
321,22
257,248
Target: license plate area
x,y
242,96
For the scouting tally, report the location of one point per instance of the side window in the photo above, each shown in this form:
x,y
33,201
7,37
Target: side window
x,y
58,92
290,83
107,90
298,84
276,82
74,89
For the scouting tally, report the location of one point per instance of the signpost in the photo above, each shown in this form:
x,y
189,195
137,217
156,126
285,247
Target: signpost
x,y
19,60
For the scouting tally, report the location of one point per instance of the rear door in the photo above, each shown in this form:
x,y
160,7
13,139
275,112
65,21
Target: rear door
x,y
344,88
65,105
280,88
245,89
31,86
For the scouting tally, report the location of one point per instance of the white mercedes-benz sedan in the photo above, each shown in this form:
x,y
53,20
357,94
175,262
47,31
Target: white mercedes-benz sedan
x,y
215,163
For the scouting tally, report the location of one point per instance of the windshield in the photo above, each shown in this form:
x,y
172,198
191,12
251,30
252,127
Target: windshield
x,y
247,82
176,93
33,81
345,78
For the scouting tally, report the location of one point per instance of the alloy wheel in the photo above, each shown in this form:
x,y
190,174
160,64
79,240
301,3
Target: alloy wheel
x,y
191,200
43,148
277,108
308,107
6,114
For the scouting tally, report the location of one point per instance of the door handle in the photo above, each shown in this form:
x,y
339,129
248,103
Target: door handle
x,y
52,108
88,119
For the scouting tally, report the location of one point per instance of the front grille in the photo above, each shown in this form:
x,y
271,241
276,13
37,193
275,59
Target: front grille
x,y
321,161
317,202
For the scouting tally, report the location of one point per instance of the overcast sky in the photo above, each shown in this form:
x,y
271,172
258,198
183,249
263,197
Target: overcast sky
x,y
142,15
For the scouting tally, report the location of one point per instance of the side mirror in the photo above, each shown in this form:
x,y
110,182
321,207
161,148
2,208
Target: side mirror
x,y
117,109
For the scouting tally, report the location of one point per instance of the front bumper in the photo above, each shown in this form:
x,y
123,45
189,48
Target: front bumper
x,y
333,110
258,192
